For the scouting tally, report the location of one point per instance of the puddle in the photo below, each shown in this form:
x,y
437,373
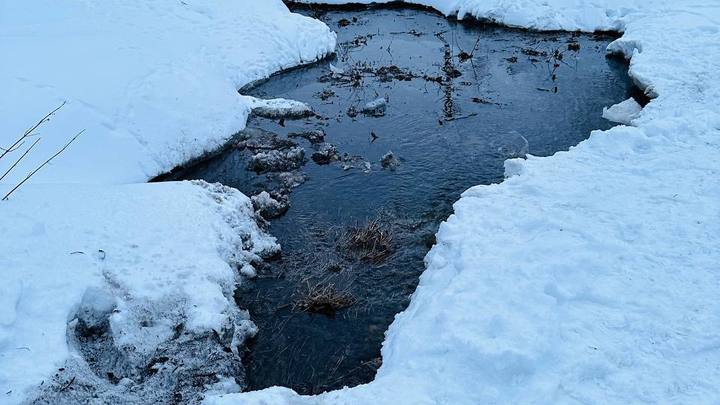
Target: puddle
x,y
457,100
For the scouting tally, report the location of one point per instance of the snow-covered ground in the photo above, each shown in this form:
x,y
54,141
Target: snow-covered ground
x,y
590,276
153,84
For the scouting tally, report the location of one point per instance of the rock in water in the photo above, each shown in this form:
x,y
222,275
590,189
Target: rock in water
x,y
270,207
389,161
315,136
280,108
277,160
325,154
375,108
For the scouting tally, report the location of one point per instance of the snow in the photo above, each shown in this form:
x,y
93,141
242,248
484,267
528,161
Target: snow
x,y
98,248
587,277
153,84
623,113
279,108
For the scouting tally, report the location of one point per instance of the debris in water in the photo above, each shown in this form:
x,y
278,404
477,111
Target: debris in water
x,y
336,70
314,136
291,179
323,299
325,94
373,242
277,160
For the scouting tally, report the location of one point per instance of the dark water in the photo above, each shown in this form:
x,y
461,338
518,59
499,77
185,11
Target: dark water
x,y
462,98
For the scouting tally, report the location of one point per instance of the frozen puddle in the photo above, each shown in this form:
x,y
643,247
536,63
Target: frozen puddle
x,y
451,101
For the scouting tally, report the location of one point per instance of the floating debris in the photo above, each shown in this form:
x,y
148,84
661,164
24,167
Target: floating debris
x,y
314,136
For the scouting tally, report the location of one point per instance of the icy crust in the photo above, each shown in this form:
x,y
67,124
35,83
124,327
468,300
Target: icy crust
x,y
153,84
623,113
587,277
279,108
109,282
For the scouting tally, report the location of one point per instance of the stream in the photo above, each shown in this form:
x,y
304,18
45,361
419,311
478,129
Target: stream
x,y
453,100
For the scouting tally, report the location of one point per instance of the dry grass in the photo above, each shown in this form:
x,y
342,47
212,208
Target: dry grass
x,y
373,241
322,298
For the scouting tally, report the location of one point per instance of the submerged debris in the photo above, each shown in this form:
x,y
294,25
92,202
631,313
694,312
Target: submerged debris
x,y
323,299
354,161
315,136
289,180
373,241
325,94
392,72
257,140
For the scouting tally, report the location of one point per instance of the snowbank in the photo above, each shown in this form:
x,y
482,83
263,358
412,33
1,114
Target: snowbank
x,y
153,84
587,277
170,245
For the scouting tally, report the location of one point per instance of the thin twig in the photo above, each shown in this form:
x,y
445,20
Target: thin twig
x,y
67,385
19,159
42,165
30,130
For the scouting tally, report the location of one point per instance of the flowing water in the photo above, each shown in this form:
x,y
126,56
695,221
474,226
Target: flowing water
x,y
461,98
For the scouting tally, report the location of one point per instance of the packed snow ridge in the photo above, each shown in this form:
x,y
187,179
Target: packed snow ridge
x,y
590,276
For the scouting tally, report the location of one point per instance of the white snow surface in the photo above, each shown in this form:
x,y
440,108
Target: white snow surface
x,y
153,84
624,112
590,276
149,245
587,277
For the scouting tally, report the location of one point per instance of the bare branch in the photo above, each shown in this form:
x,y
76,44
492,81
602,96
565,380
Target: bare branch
x,y
19,159
29,132
42,165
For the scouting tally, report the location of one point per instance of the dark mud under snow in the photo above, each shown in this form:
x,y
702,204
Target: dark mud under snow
x,y
454,100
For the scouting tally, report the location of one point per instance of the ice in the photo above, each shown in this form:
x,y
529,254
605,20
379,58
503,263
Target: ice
x,y
279,108
623,113
375,108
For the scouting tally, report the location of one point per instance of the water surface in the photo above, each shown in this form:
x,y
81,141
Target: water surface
x,y
462,98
